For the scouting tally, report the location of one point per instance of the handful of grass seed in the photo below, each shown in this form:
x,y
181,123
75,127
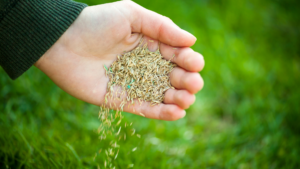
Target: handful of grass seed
x,y
142,75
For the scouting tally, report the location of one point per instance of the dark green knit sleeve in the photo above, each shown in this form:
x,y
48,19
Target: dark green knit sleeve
x,y
28,28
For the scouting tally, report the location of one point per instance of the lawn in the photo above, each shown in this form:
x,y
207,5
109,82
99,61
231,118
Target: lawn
x,y
246,116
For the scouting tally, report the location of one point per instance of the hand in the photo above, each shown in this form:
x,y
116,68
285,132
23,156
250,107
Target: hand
x,y
100,33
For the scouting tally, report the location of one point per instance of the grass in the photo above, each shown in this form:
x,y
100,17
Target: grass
x,y
247,115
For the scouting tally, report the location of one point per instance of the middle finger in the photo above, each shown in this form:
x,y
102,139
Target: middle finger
x,y
190,81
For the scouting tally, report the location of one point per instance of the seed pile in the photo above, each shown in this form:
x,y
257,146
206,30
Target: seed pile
x,y
142,75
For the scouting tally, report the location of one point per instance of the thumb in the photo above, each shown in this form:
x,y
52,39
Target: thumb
x,y
158,27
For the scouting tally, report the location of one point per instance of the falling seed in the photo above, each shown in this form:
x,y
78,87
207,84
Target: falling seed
x,y
133,131
95,157
134,148
119,122
111,152
117,154
140,74
118,131
130,165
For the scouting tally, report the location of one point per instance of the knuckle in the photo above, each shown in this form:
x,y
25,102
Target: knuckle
x,y
188,80
176,77
128,2
184,56
178,97
168,96
132,6
184,101
168,19
172,117
188,62
168,115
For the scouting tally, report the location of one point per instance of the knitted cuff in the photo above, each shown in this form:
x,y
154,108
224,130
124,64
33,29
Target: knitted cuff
x,y
30,28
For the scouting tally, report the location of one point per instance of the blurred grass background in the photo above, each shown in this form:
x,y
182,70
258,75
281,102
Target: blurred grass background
x,y
247,115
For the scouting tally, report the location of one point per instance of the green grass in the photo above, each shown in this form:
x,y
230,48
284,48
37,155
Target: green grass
x,y
247,115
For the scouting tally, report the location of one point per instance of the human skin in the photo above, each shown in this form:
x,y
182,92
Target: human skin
x,y
100,33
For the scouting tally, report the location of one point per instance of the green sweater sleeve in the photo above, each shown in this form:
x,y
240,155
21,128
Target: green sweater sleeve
x,y
28,28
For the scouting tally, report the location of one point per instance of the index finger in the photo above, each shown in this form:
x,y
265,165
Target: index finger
x,y
157,26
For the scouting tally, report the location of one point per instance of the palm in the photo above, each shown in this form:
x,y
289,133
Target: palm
x,y
95,39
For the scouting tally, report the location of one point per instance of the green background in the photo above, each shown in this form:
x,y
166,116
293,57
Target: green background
x,y
246,116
